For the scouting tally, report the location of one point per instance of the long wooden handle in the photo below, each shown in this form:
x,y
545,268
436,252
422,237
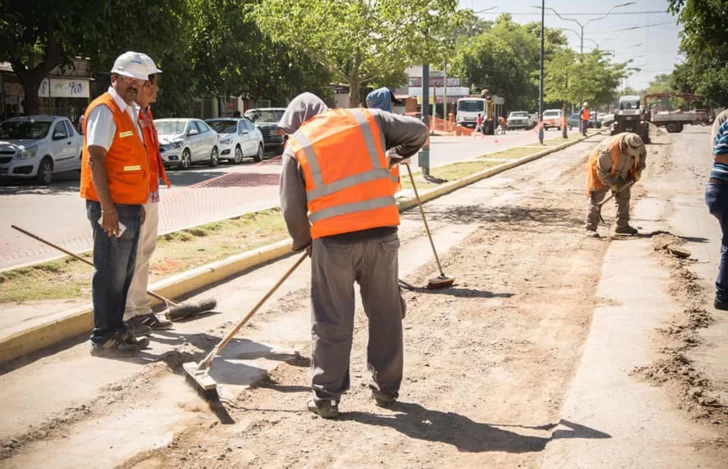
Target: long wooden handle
x,y
79,258
228,337
424,218
611,196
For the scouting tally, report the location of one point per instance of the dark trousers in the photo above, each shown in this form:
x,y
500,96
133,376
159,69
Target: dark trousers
x,y
114,261
335,267
716,197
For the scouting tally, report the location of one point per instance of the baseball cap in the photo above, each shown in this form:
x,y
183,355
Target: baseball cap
x,y
634,143
130,64
151,66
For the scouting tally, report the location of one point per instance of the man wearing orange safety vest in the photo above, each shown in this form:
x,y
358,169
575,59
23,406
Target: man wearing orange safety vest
x,y
138,314
616,162
584,118
115,184
337,197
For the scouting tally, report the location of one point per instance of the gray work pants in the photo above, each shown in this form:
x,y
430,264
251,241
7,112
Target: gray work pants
x,y
621,200
335,266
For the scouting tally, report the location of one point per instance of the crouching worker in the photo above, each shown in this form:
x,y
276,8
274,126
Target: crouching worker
x,y
616,162
337,196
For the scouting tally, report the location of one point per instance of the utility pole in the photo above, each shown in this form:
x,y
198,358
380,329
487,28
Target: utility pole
x,y
540,86
424,156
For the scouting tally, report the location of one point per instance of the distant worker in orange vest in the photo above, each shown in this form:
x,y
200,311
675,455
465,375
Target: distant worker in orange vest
x,y
138,314
616,162
115,184
585,116
337,198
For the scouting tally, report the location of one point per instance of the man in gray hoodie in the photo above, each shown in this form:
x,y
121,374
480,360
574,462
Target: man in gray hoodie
x,y
337,199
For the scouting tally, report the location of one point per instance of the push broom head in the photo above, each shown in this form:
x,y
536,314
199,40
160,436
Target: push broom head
x,y
201,381
442,281
187,309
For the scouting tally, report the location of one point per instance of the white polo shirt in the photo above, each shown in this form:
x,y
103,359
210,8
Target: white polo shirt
x,y
100,126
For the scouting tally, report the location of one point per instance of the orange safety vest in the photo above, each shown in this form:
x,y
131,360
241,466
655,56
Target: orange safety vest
x,y
348,185
593,183
126,162
156,166
585,114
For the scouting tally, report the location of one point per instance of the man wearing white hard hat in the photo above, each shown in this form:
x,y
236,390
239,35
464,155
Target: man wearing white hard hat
x,y
614,164
115,183
584,117
138,315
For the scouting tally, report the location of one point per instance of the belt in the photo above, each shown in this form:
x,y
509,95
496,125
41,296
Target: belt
x,y
718,181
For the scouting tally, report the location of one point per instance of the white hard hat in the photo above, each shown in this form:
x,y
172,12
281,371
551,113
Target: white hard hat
x,y
151,66
586,104
130,64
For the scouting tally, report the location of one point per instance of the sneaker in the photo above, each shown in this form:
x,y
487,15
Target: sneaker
x,y
155,323
119,343
383,399
137,328
628,230
721,305
591,233
325,409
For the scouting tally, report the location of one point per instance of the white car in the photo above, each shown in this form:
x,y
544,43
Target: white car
x,y
239,139
39,147
184,142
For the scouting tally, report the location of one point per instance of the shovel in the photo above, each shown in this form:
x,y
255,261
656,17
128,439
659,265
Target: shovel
x,y
611,196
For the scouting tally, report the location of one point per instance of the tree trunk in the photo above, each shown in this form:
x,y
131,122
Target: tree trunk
x,y
566,122
31,82
354,92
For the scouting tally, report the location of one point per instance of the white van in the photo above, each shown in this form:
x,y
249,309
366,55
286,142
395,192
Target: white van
x,y
552,118
468,110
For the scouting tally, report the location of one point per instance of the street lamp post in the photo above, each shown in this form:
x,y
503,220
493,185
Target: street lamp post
x,y
540,85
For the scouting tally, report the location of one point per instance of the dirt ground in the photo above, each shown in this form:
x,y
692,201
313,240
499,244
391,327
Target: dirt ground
x,y
488,363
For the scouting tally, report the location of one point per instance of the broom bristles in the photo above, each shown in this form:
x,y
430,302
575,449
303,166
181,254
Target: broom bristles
x,y
440,282
187,309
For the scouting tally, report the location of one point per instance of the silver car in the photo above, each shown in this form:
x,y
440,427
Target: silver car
x,y
184,142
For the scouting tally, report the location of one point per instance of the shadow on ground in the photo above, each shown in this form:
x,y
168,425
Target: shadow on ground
x,y
510,214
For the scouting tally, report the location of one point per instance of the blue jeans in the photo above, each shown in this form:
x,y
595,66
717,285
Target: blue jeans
x,y
114,260
584,126
716,197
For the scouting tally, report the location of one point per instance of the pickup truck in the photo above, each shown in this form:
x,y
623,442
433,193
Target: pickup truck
x,y
39,147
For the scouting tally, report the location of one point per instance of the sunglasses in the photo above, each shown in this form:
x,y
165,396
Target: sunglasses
x,y
130,80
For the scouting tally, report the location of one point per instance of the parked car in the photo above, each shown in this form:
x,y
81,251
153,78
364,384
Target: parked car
x,y
267,119
518,120
39,147
552,118
534,119
574,121
184,142
239,139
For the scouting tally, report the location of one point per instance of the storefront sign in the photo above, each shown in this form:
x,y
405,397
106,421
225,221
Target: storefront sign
x,y
63,88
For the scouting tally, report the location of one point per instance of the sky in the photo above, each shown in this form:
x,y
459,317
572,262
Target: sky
x,y
654,49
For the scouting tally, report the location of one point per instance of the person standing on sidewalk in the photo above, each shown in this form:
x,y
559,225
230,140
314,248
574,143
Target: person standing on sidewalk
x,y
115,184
584,117
337,199
716,198
138,315
614,163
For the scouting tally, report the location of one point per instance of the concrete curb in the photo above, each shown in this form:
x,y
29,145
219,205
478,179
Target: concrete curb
x,y
80,321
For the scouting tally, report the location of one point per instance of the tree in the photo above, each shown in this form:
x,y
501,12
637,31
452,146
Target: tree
x,y
592,78
705,70
359,40
660,84
37,36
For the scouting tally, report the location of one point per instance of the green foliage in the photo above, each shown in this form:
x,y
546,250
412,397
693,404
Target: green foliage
x,y
705,70
360,41
572,79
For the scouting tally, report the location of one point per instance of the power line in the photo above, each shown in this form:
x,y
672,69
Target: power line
x,y
524,13
633,28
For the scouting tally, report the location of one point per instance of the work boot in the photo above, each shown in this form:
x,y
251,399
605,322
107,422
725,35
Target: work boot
x,y
628,230
137,328
120,343
326,409
721,305
591,233
154,322
383,399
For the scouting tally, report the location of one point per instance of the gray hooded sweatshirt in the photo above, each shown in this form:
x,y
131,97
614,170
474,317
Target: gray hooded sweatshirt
x,y
403,136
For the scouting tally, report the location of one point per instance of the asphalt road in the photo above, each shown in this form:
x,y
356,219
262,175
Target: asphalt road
x,y
58,213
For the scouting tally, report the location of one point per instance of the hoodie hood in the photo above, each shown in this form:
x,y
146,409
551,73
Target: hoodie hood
x,y
302,108
380,99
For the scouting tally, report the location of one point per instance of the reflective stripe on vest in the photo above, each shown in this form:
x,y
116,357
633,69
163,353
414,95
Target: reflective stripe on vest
x,y
352,208
321,189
